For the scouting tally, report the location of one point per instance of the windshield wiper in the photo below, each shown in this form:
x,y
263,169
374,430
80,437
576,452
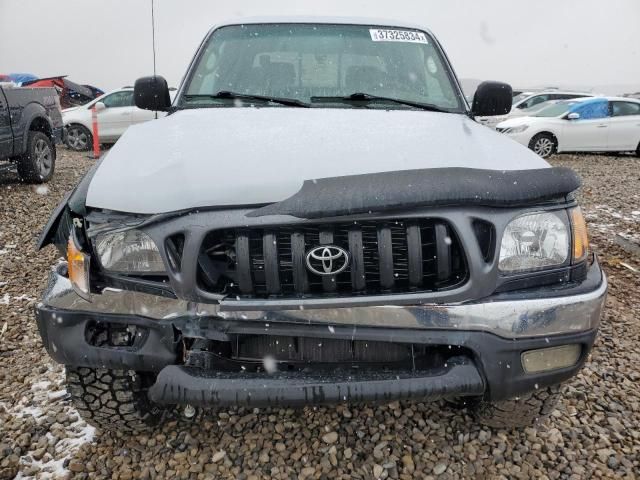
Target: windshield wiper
x,y
367,98
224,94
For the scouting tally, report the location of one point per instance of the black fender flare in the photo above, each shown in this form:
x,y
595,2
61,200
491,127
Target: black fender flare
x,y
31,112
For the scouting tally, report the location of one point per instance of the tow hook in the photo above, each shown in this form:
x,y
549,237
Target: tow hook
x,y
189,411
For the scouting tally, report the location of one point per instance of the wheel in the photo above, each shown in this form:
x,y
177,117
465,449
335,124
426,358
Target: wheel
x,y
79,138
544,144
519,412
38,162
114,400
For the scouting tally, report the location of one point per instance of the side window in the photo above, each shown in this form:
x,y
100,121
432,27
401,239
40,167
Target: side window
x,y
566,96
533,101
622,109
592,110
119,99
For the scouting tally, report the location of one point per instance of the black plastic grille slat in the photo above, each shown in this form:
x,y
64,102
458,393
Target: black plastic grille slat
x,y
299,268
243,263
385,257
414,255
443,251
358,272
271,262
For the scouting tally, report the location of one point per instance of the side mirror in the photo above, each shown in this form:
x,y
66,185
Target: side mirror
x,y
492,98
573,116
100,106
152,93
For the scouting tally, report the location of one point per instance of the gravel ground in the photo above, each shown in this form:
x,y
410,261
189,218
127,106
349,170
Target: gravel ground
x,y
594,432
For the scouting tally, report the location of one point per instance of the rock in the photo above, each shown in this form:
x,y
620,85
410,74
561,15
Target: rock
x,y
407,461
307,472
219,455
24,440
554,436
76,466
615,424
439,468
377,471
329,438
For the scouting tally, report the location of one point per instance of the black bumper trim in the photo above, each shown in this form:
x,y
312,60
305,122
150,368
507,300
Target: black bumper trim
x,y
63,335
496,359
184,385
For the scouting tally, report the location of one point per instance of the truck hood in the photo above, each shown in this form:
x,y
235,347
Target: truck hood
x,y
252,156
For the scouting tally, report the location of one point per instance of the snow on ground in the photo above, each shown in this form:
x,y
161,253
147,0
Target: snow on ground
x,y
73,432
611,221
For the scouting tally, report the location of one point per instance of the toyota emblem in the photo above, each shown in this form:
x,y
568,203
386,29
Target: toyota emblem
x,y
327,260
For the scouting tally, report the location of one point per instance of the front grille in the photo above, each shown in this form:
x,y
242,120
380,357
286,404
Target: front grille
x,y
253,353
385,257
321,350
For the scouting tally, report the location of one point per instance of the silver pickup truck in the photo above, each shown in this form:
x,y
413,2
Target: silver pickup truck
x,y
319,219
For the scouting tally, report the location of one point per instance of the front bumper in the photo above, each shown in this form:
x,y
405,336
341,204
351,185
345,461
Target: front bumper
x,y
492,334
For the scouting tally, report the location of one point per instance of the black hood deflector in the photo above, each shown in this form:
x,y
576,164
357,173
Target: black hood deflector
x,y
377,192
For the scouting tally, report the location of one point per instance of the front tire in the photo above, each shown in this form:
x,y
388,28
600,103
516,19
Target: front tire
x,y
79,138
544,144
520,412
113,400
38,162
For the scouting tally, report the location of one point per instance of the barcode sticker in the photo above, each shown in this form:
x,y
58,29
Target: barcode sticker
x,y
386,35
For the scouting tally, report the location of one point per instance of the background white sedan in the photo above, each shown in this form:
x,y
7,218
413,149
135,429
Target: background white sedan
x,y
597,124
116,112
526,102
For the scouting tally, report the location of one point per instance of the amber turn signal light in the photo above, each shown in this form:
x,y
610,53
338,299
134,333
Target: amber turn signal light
x,y
580,241
78,268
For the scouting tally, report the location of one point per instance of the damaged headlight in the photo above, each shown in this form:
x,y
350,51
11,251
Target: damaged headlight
x,y
128,251
534,241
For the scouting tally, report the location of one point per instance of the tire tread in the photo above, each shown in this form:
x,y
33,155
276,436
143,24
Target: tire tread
x,y
27,169
112,399
519,412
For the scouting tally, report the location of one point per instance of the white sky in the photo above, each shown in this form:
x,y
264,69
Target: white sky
x,y
524,42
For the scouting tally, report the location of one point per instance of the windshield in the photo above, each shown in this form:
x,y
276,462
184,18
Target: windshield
x,y
301,61
554,110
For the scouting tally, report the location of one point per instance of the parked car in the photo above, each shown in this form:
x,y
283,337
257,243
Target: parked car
x,y
528,100
71,94
600,124
319,220
30,126
116,112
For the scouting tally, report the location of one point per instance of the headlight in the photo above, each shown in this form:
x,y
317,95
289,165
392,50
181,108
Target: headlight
x,y
129,251
579,234
534,241
78,268
518,129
